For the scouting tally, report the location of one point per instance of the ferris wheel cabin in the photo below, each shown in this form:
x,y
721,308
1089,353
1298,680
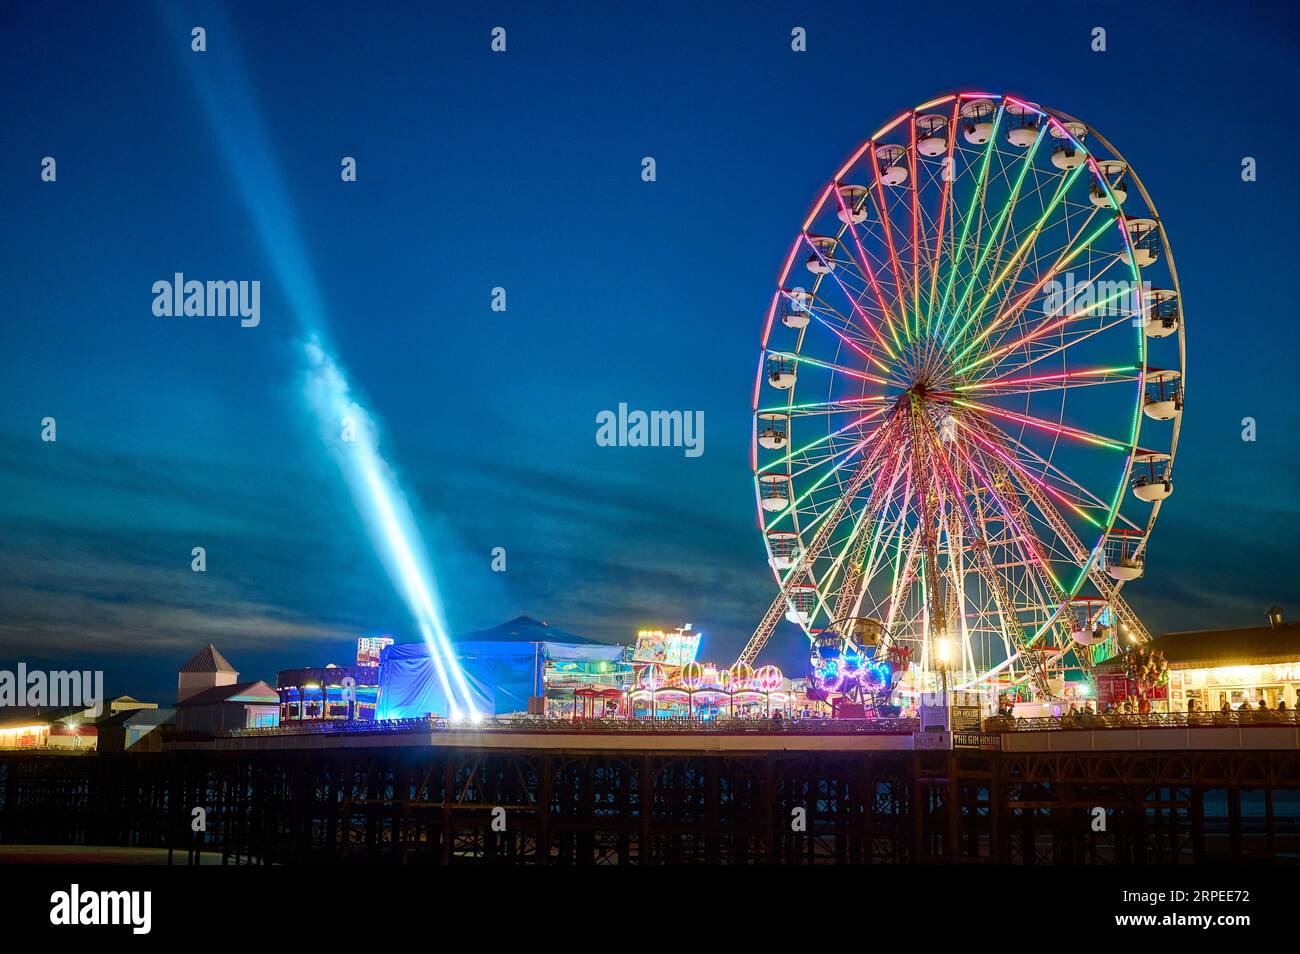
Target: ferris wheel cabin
x,y
1068,155
780,372
822,259
1151,480
862,631
978,125
774,432
1112,173
797,309
1124,558
1162,312
802,604
1022,125
1144,235
891,161
931,135
1164,395
784,549
774,492
853,211
1093,621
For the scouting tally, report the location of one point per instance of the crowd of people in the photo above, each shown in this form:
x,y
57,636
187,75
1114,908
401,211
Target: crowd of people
x,y
1262,706
1134,705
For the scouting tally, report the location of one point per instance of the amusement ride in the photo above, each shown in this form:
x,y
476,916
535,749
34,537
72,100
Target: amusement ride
x,y
967,405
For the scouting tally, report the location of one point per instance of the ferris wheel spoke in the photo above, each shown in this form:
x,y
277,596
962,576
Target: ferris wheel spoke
x,y
1088,377
1062,429
901,584
1034,289
977,197
854,453
1018,235
880,549
916,229
829,366
863,537
855,305
882,212
997,231
843,406
853,344
1021,250
994,436
1125,317
1005,604
865,532
864,265
773,465
1016,517
845,326
1035,486
948,175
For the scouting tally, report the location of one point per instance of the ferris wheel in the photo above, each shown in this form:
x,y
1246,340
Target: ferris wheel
x,y
968,400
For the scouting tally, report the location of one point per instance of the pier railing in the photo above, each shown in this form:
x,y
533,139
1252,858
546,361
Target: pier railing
x,y
594,726
1237,718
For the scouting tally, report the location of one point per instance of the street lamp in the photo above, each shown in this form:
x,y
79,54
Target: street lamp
x,y
944,655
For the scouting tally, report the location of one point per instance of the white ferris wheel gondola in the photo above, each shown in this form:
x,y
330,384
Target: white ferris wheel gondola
x,y
1144,234
978,115
853,210
1151,481
821,261
1164,394
891,162
1070,153
1161,317
931,135
1111,176
796,309
1022,124
774,429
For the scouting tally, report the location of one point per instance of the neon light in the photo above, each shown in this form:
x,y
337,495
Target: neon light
x,y
875,285
1064,376
970,211
996,230
889,239
801,359
1046,425
1064,260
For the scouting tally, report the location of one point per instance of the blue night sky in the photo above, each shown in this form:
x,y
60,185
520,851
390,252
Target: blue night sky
x,y
522,170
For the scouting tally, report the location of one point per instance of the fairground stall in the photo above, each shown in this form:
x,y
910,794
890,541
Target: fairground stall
x,y
523,666
1208,670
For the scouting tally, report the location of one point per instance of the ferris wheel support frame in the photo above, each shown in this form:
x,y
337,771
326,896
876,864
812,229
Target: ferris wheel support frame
x,y
808,557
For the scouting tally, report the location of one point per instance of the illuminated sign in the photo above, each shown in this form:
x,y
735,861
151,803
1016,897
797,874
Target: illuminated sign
x,y
667,649
369,648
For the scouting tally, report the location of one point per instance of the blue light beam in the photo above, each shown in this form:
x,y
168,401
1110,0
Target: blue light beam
x,y
231,107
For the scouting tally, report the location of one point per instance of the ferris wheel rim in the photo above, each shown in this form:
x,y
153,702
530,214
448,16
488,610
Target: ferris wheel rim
x,y
1057,121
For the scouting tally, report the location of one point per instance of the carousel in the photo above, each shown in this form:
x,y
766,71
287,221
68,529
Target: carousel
x,y
704,691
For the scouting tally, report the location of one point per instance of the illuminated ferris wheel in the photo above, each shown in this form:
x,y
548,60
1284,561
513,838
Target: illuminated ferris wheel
x,y
968,399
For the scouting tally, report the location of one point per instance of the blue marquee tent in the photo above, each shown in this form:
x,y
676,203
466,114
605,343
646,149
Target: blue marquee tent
x,y
502,666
